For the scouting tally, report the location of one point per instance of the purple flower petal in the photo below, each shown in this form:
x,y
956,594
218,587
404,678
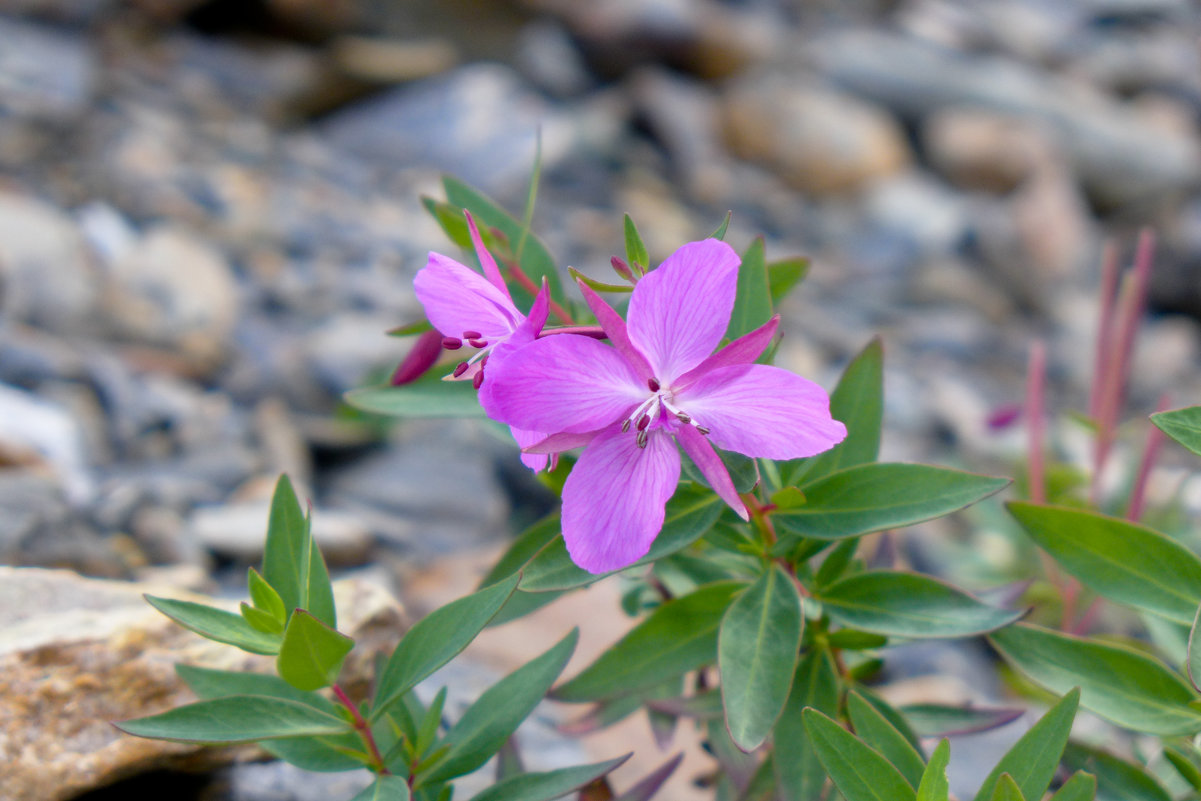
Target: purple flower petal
x,y
711,467
743,350
557,443
567,383
679,312
491,271
615,329
613,500
525,438
763,411
457,299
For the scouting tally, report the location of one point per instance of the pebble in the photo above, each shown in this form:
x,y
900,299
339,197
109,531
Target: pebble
x,y
32,92
238,531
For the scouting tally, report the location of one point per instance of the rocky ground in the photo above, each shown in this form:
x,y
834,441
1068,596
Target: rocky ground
x,y
210,214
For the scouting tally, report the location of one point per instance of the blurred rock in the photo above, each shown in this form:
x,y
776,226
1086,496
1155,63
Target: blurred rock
x,y
934,218
27,88
547,55
279,781
1121,156
78,653
238,531
46,274
344,351
40,434
984,150
384,61
822,141
174,290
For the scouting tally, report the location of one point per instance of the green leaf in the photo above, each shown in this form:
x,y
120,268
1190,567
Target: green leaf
x,y
938,720
836,562
1193,654
679,636
720,232
451,220
783,275
1118,683
385,788
1182,425
799,773
878,496
1081,787
264,597
549,785
934,785
1116,779
757,648
536,261
262,621
1184,764
690,513
236,719
436,639
875,730
312,653
858,771
498,712
1123,561
903,604
1033,759
427,730
292,564
636,253
894,718
598,286
858,402
217,624
427,397
851,640
1006,789
752,304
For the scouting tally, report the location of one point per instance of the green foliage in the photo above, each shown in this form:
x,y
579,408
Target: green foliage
x,y
549,785
427,397
752,304
858,771
292,563
1032,760
217,625
1080,787
1115,778
312,653
934,785
875,730
1182,425
237,719
636,254
385,788
798,770
757,655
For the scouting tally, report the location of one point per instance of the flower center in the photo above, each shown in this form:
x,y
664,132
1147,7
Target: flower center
x,y
661,400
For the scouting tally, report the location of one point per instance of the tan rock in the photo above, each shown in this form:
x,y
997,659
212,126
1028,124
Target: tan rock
x,y
819,140
985,150
76,654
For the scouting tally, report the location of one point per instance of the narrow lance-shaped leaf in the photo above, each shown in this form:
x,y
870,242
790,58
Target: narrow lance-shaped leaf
x,y
757,655
635,250
1006,789
264,596
428,397
549,785
385,788
939,720
909,605
934,785
292,563
312,653
1116,778
857,401
496,714
752,303
879,496
876,731
799,773
1182,425
679,636
1123,561
1118,683
236,719
1081,787
436,639
217,624
1193,659
858,771
1033,759
783,275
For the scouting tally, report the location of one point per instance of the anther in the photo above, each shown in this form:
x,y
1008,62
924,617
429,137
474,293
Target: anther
x,y
653,383
625,426
683,418
461,368
643,422
702,429
478,381
477,343
452,343
643,437
472,335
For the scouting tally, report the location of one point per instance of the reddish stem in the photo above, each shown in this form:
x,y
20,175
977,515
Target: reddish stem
x,y
1035,404
527,283
1138,495
1101,359
364,729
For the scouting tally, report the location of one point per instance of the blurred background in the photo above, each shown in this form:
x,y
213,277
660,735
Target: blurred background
x,y
210,215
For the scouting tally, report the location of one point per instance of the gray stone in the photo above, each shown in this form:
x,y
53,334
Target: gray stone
x,y
28,88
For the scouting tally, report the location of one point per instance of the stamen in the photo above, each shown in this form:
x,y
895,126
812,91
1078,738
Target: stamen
x,y
452,343
643,422
653,383
643,438
477,343
478,381
472,335
625,426
702,429
461,368
683,418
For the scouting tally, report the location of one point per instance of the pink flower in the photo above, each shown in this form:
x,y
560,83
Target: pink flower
x,y
660,381
478,311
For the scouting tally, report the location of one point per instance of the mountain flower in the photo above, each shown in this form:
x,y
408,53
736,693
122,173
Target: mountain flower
x,y
660,383
478,312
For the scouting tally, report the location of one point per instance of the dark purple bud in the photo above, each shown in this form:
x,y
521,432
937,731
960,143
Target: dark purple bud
x,y
622,269
653,383
420,358
452,343
461,368
477,343
643,422
478,380
472,335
